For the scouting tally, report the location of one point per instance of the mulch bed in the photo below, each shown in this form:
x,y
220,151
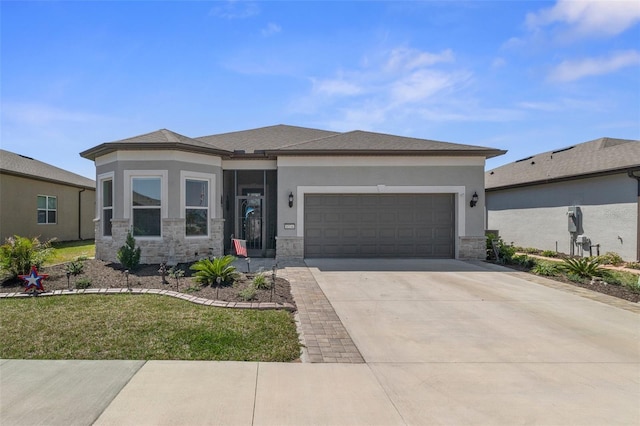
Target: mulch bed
x,y
111,275
599,286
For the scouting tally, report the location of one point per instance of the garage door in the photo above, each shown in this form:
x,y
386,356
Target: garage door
x,y
379,225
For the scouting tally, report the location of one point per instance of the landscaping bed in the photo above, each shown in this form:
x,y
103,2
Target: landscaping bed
x,y
100,274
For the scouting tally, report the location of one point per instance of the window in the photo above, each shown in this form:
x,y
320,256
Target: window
x,y
47,209
107,206
146,206
196,207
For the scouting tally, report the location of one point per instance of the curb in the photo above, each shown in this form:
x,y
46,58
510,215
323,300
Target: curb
x,y
193,299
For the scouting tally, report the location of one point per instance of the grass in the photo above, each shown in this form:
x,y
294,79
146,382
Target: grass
x,y
71,250
142,327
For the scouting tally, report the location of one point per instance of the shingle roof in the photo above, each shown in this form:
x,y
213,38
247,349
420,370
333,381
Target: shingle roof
x,y
21,165
160,139
599,156
265,138
359,141
291,140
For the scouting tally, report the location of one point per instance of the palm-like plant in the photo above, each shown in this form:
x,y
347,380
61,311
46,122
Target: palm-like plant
x,y
582,266
207,270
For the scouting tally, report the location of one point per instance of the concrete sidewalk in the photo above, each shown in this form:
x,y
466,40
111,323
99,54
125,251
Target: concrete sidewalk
x,y
191,393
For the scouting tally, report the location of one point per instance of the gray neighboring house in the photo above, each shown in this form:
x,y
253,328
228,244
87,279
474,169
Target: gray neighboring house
x,y
290,192
41,200
590,189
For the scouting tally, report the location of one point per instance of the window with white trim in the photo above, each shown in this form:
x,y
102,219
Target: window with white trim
x,y
196,207
107,206
47,209
146,205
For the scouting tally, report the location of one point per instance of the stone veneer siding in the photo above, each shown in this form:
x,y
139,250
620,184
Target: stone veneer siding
x,y
289,248
172,248
473,248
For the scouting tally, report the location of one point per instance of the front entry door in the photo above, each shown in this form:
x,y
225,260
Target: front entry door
x,y
250,222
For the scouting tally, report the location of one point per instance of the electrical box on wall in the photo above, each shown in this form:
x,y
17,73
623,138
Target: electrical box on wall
x,y
574,216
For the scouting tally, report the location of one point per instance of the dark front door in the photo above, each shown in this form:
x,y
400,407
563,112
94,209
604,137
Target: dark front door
x,y
249,223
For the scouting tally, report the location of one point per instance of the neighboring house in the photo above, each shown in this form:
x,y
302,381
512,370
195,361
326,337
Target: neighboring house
x,y
571,199
40,200
290,192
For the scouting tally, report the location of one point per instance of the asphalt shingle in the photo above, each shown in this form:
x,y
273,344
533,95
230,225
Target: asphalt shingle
x,y
597,156
22,165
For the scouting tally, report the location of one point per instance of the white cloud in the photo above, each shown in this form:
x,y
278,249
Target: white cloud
x,y
233,9
425,83
409,59
401,85
577,69
588,18
271,29
40,114
498,63
336,87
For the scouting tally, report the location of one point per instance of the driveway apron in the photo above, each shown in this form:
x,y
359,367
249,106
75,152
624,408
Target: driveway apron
x,y
459,343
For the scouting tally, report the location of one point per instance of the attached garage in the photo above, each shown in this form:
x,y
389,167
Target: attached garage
x,y
379,225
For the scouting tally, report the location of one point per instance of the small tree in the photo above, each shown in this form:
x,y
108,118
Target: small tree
x,y
128,254
18,254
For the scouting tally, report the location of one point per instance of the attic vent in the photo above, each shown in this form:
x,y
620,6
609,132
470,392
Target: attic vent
x,y
24,156
562,150
525,159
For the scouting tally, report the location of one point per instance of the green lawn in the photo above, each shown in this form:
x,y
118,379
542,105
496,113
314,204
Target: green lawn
x,y
141,327
71,250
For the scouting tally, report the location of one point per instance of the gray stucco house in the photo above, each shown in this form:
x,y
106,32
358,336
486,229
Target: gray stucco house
x,y
570,199
290,192
41,200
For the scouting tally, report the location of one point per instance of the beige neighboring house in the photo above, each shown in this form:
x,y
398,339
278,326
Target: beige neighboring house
x,y
40,200
576,199
290,192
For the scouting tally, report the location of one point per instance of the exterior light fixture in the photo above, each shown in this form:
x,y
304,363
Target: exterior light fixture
x,y
474,199
290,199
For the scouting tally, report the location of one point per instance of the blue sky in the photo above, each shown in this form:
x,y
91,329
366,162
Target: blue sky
x,y
526,76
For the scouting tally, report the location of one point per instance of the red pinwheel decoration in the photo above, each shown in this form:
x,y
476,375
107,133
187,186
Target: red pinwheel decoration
x,y
33,280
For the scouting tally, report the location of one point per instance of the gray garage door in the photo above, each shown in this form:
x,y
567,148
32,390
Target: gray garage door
x,y
379,225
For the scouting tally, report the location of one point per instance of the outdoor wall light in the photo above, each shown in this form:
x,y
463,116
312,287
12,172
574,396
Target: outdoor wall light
x,y
290,199
474,199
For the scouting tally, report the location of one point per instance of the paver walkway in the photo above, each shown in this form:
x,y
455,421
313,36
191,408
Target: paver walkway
x,y
322,332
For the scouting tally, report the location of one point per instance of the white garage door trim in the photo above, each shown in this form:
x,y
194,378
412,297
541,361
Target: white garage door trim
x,y
382,189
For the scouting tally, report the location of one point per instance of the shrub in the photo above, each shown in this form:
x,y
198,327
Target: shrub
x,y
611,258
505,252
530,250
547,269
207,270
523,260
74,268
83,283
549,253
260,282
633,265
575,278
18,254
625,279
248,293
128,254
582,266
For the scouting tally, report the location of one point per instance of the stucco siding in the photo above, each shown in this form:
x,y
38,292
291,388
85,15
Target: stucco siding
x,y
536,216
462,180
173,246
18,209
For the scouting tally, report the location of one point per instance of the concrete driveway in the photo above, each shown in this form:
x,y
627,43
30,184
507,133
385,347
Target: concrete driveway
x,y
460,343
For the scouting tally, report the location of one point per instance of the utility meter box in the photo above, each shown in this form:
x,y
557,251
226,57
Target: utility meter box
x,y
574,216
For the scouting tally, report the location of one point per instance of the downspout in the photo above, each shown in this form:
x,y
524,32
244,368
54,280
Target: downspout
x,y
80,213
632,175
